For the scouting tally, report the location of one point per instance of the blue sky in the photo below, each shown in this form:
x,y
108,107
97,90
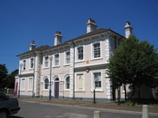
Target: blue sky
x,y
22,21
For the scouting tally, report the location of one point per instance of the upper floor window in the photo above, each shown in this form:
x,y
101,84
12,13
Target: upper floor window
x,y
24,65
31,62
80,53
67,57
56,60
46,61
96,50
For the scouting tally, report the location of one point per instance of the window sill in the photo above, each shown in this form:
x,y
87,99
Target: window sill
x,y
78,61
46,90
56,66
97,90
99,58
66,64
45,67
80,91
67,90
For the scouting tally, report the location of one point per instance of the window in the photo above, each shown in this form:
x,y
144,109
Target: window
x,y
96,50
22,86
46,83
31,62
30,86
80,53
67,83
67,57
24,64
46,61
97,80
56,59
79,82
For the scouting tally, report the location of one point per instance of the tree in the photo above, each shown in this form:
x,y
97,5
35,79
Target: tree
x,y
134,62
3,74
10,79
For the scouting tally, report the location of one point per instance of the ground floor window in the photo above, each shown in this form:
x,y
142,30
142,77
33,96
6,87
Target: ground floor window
x,y
79,82
46,83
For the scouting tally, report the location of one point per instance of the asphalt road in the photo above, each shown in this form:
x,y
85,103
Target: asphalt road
x,y
46,110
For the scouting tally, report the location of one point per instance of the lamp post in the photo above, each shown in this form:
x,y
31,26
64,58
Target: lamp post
x,y
94,100
50,85
19,80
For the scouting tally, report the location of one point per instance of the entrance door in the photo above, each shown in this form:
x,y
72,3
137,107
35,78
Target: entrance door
x,y
56,90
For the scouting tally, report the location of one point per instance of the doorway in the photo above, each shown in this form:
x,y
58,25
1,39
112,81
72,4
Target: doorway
x,y
56,88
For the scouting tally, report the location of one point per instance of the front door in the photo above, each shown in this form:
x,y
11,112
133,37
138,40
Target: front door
x,y
56,90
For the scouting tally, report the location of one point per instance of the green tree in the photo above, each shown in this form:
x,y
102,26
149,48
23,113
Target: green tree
x,y
134,62
3,74
10,79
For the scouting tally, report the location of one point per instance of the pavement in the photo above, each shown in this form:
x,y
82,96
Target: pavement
x,y
110,105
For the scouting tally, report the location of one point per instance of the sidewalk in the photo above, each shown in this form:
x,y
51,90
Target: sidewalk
x,y
86,103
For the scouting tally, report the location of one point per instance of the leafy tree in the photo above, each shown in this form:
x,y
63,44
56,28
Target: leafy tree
x,y
10,79
134,62
3,74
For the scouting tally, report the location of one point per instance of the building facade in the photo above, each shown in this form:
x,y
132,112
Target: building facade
x,y
72,69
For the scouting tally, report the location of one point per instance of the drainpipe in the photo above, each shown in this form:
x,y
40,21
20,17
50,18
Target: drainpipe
x,y
33,93
73,70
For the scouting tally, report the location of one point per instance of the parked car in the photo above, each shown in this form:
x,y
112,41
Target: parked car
x,y
8,105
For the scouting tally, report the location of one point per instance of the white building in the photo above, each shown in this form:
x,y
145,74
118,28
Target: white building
x,y
72,69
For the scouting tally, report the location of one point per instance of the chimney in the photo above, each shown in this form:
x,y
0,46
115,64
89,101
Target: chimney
x,y
32,45
57,38
91,26
128,29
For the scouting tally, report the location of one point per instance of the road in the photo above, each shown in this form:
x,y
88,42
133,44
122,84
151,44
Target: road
x,y
45,110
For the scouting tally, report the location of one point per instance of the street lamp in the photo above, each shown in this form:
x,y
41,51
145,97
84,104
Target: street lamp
x,y
94,100
50,91
20,79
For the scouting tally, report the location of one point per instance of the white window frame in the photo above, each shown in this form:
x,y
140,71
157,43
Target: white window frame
x,y
44,88
77,55
29,85
92,50
24,64
46,62
76,89
93,81
54,60
22,84
66,58
31,63
66,83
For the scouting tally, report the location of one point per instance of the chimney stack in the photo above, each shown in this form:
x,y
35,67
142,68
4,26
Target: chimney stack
x,y
128,29
91,26
32,45
57,38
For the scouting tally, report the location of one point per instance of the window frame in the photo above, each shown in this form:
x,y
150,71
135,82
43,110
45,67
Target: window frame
x,y
56,59
93,52
24,65
66,58
67,83
31,63
83,82
22,84
77,53
93,84
30,89
45,85
46,61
